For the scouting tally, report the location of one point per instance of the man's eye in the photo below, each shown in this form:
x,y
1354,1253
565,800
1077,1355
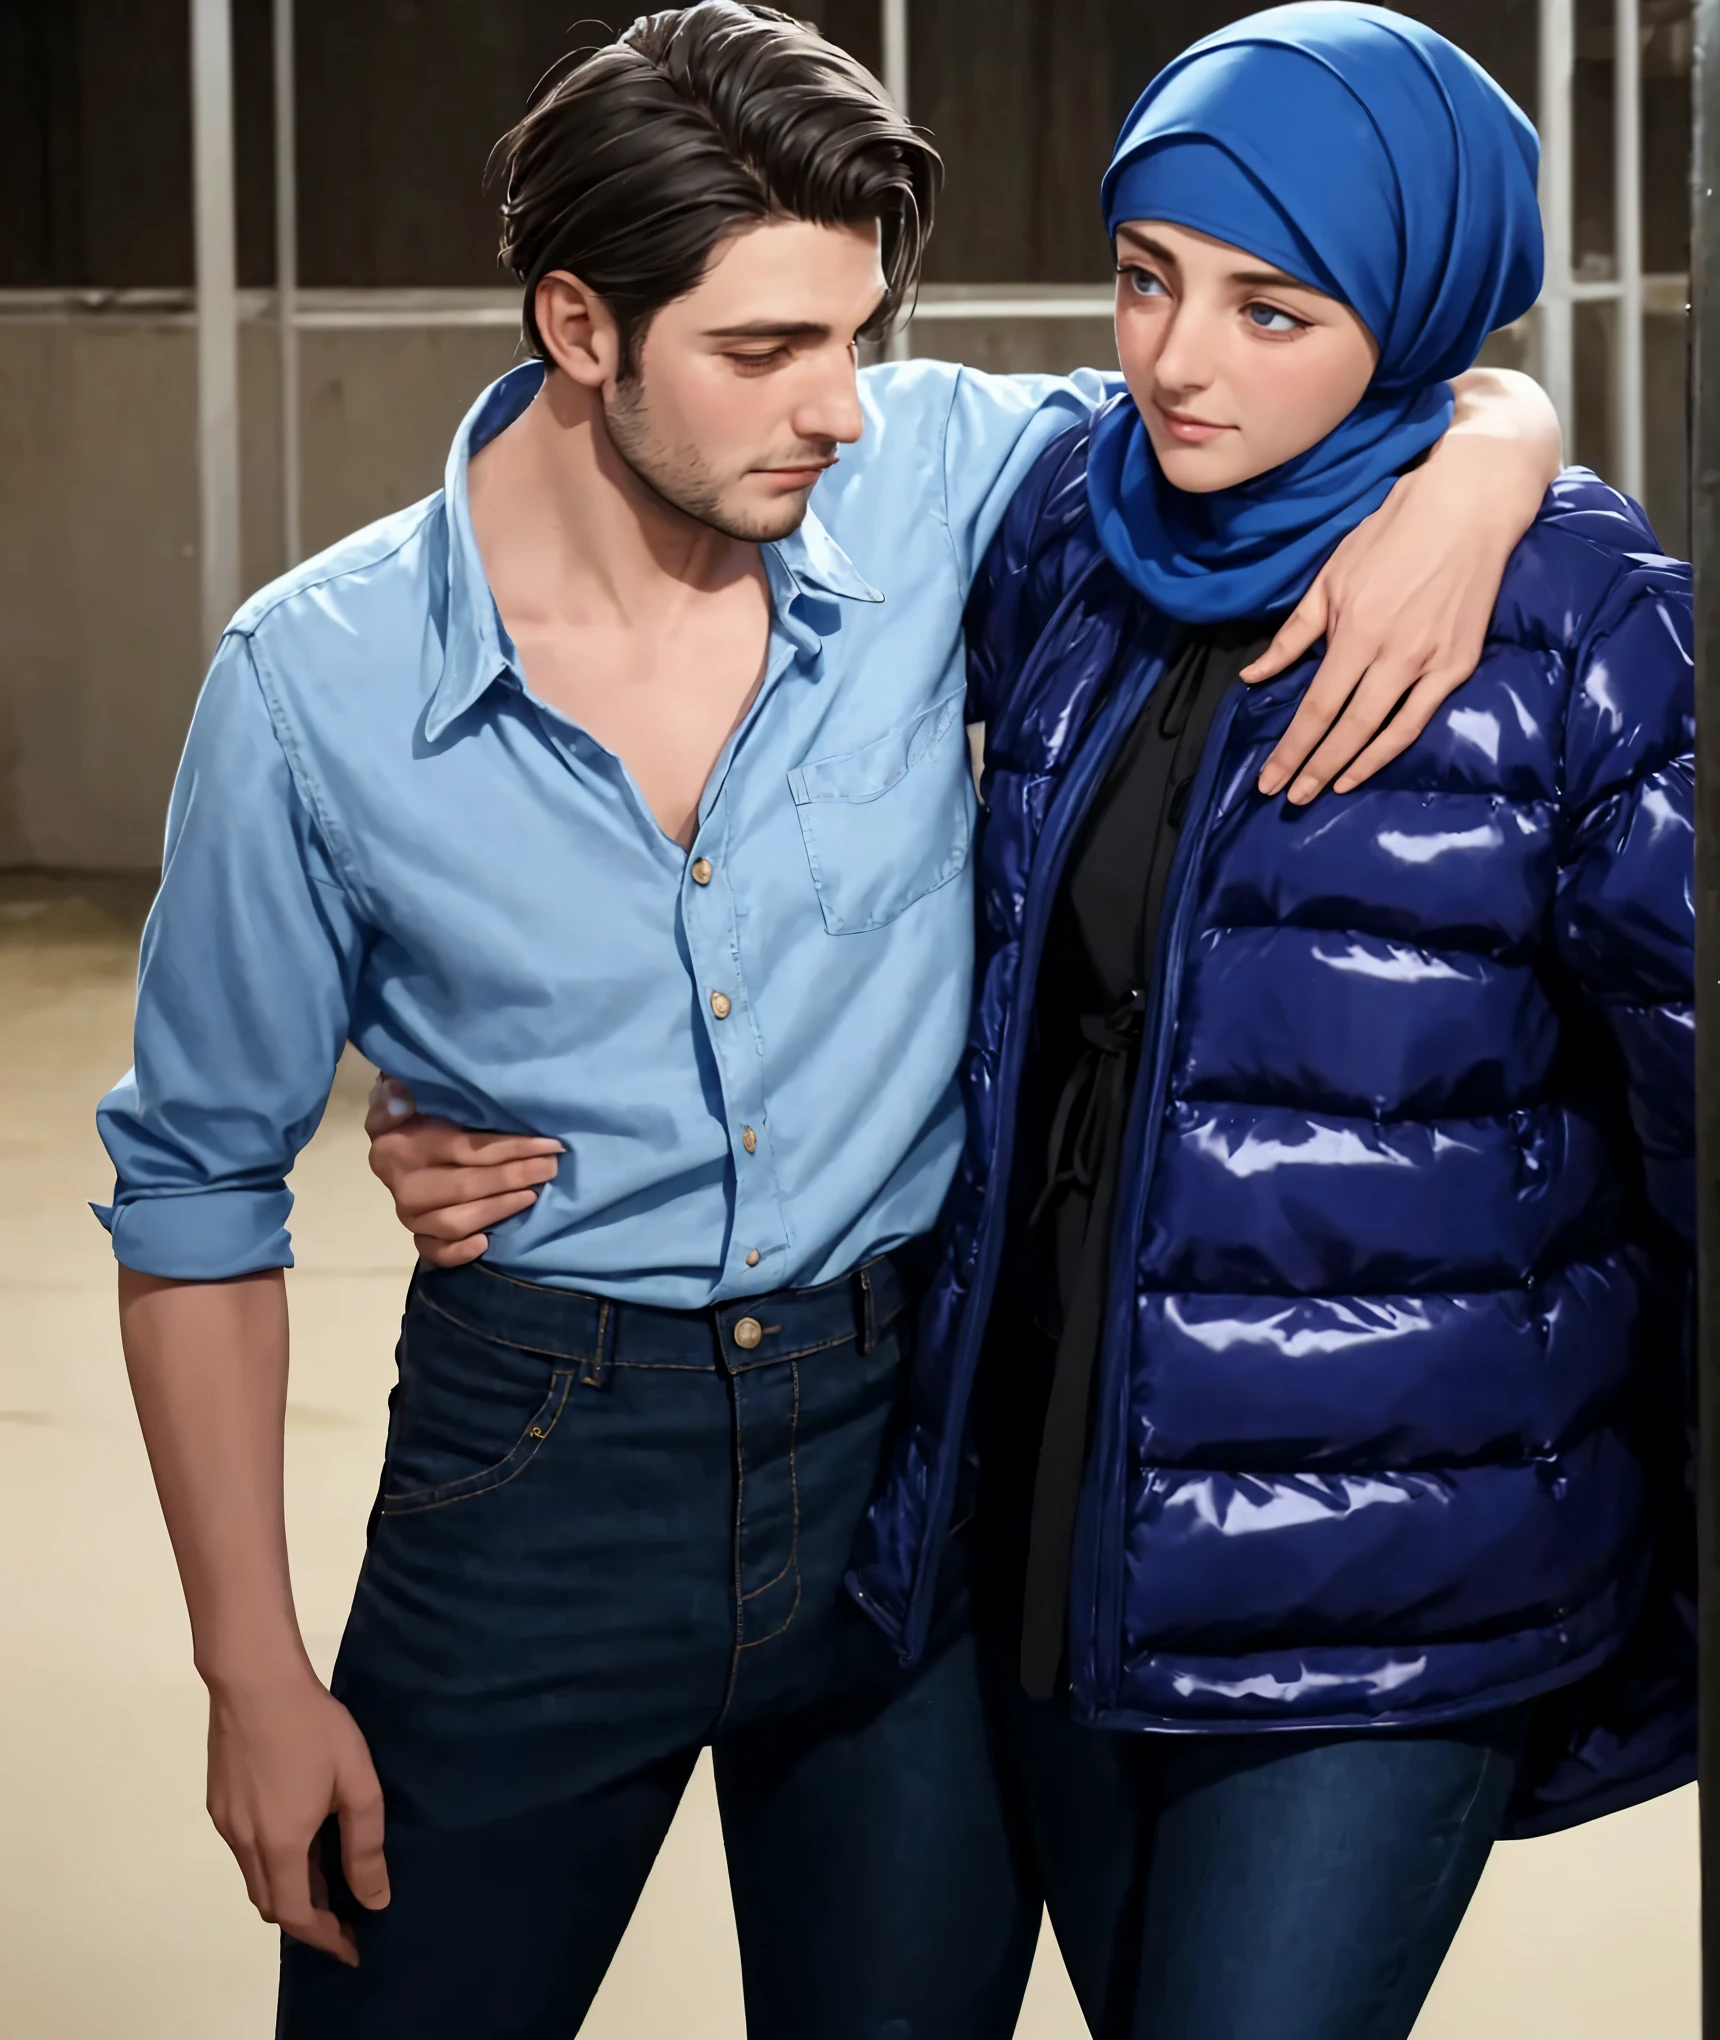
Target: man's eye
x,y
753,364
1269,319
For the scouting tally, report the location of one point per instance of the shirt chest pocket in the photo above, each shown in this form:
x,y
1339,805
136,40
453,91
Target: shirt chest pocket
x,y
887,824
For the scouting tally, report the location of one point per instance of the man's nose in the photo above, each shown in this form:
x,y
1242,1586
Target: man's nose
x,y
829,408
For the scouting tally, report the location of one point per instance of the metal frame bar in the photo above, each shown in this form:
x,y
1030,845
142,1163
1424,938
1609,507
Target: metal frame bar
x,y
217,314
429,310
1558,42
893,39
288,318
1705,548
1562,290
1629,430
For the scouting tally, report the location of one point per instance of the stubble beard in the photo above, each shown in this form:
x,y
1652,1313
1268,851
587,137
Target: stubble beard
x,y
681,477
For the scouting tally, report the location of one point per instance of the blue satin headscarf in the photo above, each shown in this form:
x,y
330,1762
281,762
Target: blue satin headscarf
x,y
1362,154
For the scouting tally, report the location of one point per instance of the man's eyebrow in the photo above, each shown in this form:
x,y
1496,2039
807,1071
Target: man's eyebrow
x,y
1253,279
771,329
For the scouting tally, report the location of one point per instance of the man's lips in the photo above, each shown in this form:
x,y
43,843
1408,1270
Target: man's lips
x,y
801,476
1191,431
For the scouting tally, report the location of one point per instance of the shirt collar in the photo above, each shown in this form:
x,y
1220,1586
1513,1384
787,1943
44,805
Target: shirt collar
x,y
474,652
475,649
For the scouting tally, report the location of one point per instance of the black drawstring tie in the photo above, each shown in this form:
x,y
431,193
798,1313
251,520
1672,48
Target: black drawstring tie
x,y
1085,1152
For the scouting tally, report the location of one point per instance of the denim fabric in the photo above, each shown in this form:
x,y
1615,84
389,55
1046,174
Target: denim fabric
x,y
607,1535
1246,1888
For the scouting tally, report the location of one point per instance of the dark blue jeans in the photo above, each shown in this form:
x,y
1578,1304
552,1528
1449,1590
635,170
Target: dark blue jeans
x,y
1223,1887
608,1536
1212,1887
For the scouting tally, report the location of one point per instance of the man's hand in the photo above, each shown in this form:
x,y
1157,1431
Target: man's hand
x,y
449,1185
208,1367
1405,601
281,1760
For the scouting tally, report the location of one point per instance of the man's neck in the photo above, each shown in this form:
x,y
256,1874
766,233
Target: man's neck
x,y
570,534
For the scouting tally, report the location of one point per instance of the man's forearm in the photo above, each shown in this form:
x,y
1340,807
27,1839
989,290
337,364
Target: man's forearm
x,y
208,1366
1496,405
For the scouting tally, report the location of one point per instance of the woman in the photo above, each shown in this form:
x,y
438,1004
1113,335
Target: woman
x,y
1324,1234
1303,1245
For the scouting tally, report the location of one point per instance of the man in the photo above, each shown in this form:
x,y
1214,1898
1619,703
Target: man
x,y
605,798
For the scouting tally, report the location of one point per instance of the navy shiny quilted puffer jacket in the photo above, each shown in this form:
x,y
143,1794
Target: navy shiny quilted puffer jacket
x,y
1388,1427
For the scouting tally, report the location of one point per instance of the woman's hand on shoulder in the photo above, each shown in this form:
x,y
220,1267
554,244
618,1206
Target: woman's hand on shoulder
x,y
449,1184
1405,601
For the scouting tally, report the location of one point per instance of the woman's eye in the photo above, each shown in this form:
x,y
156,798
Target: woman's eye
x,y
1144,283
1269,319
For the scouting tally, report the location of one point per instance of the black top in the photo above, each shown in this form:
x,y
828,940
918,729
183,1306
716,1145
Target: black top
x,y
1090,1005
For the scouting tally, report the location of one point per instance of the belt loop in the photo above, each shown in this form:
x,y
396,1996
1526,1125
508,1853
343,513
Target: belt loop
x,y
865,1329
595,1373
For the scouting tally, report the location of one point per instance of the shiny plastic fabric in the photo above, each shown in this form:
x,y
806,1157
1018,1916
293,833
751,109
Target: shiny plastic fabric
x,y
1389,1428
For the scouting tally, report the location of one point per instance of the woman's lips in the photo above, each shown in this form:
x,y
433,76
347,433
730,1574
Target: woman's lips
x,y
1191,431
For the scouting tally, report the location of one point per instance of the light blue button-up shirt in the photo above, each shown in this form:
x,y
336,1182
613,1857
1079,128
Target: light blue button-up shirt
x,y
379,833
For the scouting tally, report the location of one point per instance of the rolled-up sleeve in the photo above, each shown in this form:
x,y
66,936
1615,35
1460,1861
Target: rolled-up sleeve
x,y
245,986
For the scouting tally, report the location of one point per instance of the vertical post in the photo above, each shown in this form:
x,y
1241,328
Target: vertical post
x,y
217,313
894,27
895,41
1705,545
1558,354
1628,455
287,282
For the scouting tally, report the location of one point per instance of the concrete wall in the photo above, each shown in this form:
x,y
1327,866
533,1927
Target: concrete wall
x,y
99,658
99,655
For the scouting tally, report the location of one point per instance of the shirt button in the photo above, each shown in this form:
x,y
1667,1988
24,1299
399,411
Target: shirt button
x,y
748,1332
752,1257
701,871
749,1140
720,1005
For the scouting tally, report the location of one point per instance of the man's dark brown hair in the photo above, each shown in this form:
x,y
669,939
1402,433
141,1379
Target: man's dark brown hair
x,y
632,165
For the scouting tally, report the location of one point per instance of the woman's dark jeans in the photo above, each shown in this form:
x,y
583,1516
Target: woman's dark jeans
x,y
607,1537
1223,1887
1257,1887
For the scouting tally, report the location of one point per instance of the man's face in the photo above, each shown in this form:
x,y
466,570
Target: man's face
x,y
744,389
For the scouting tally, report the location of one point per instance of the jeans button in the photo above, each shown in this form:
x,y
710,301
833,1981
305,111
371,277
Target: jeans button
x,y
748,1332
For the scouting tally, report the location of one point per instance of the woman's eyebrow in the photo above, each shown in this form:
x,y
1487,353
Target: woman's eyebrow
x,y
1249,279
1147,246
1270,279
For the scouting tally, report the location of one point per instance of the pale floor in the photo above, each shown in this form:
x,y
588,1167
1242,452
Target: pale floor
x,y
121,1917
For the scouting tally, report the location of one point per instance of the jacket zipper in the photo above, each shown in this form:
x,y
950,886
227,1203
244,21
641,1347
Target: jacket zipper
x,y
1067,811
1097,1567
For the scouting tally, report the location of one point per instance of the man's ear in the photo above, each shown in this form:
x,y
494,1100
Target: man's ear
x,y
578,329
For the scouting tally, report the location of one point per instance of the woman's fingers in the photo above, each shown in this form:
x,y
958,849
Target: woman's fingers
x,y
460,1221
422,1147
1403,729
434,1189
1369,708
1302,628
390,1102
1341,671
450,1253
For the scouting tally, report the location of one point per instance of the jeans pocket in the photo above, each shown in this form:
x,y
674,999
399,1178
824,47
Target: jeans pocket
x,y
472,1413
887,824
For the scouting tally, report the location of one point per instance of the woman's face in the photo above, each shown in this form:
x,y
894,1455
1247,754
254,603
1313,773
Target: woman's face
x,y
1235,366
